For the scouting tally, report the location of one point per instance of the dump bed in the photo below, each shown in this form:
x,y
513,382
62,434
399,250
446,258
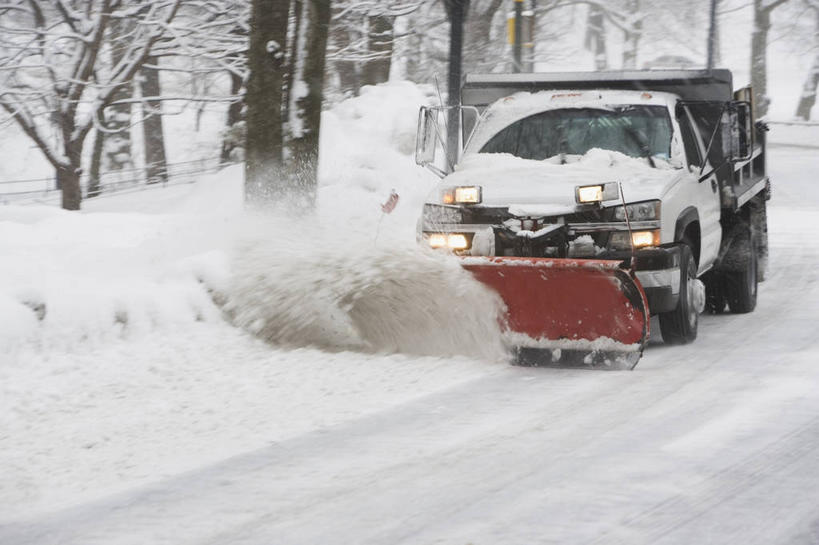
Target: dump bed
x,y
480,90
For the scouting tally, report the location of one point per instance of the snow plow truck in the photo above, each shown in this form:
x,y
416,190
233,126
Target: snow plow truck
x,y
592,201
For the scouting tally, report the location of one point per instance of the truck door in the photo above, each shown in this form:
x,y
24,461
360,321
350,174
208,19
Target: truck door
x,y
704,194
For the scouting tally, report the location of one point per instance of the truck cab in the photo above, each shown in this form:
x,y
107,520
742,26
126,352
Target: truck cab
x,y
654,169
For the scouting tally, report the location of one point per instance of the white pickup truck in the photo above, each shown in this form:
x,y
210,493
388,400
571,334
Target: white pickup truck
x,y
550,160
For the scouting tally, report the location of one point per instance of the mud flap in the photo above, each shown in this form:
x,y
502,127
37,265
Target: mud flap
x,y
568,312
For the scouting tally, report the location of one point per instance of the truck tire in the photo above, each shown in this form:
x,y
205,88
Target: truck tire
x,y
741,280
679,326
759,227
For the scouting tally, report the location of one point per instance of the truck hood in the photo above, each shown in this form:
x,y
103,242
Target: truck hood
x,y
547,188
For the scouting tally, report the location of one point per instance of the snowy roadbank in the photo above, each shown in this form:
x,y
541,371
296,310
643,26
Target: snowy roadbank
x,y
203,434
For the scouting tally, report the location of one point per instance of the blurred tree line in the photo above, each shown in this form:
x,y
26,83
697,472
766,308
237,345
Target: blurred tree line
x,y
77,76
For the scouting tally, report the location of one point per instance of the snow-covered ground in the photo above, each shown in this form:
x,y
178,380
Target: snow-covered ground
x,y
133,411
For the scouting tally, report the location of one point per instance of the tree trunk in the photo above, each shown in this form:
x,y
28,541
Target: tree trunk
x,y
117,148
380,39
266,55
349,79
759,59
156,164
596,37
68,177
294,50
94,187
414,64
480,54
632,36
808,98
234,116
306,124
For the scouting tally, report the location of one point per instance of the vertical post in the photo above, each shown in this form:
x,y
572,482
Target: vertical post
x,y
712,34
517,47
456,9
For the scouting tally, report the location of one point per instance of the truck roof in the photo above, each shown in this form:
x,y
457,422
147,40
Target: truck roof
x,y
712,85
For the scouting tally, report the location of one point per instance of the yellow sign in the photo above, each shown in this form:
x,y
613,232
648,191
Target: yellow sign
x,y
527,28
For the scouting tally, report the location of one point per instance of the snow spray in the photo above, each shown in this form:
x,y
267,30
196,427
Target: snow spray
x,y
296,288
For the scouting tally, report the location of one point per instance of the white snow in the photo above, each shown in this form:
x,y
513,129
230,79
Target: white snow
x,y
530,185
518,106
135,412
132,332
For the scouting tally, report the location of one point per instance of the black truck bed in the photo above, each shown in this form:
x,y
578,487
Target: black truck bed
x,y
715,85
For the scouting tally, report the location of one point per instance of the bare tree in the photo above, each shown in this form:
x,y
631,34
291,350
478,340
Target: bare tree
x,y
264,148
596,36
759,52
308,97
153,134
50,85
808,98
380,40
632,26
481,52
363,40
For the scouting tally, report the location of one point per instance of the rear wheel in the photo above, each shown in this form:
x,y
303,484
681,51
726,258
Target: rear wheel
x,y
759,231
679,326
741,281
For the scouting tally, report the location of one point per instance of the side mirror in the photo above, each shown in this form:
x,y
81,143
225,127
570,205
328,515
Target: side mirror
x,y
737,132
425,141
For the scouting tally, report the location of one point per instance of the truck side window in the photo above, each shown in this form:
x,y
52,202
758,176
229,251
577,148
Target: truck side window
x,y
692,152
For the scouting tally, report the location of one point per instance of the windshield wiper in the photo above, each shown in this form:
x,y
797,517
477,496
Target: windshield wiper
x,y
563,144
642,143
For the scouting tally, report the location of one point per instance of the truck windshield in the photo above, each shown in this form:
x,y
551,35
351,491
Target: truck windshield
x,y
638,131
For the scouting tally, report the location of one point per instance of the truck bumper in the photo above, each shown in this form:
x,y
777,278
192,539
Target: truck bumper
x,y
658,270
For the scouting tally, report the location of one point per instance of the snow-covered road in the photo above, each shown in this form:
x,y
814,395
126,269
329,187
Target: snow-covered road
x,y
716,442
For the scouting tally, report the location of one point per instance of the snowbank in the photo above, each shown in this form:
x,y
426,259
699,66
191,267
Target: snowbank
x,y
367,144
133,265
126,331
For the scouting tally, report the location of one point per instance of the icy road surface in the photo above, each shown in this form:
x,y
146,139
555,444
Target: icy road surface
x,y
717,442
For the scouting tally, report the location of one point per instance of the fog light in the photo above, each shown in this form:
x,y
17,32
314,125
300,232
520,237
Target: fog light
x,y
457,241
437,240
641,239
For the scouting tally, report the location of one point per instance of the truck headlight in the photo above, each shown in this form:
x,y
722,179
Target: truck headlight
x,y
437,240
457,241
453,241
641,211
462,195
596,193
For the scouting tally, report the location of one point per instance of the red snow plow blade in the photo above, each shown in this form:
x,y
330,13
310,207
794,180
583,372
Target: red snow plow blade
x,y
568,312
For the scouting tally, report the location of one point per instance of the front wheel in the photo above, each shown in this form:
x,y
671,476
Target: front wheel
x,y
679,326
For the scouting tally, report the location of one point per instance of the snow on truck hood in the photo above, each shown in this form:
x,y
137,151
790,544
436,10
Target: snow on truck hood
x,y
547,188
